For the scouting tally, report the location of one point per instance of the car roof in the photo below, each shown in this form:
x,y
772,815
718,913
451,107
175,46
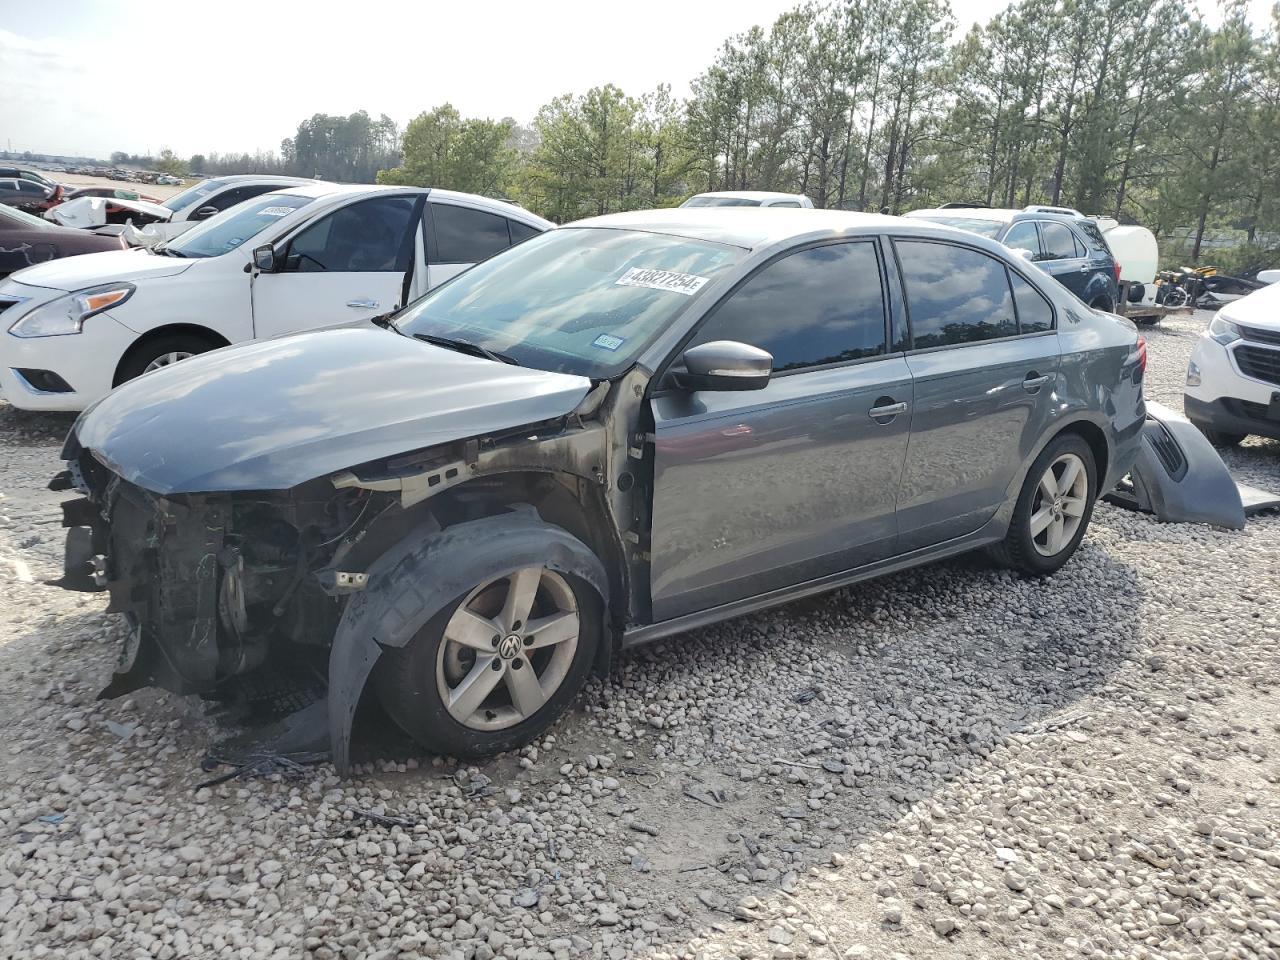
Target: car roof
x,y
751,195
258,178
993,214
338,191
748,227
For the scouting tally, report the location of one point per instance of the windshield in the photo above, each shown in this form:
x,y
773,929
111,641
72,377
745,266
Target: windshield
x,y
234,226
22,218
575,300
180,201
983,228
720,202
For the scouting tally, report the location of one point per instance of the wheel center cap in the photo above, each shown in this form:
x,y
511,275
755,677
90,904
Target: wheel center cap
x,y
509,647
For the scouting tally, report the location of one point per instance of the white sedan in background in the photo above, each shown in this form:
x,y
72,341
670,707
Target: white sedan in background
x,y
310,256
1233,379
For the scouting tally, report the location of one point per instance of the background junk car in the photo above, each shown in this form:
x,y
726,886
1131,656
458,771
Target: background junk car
x,y
617,431
313,255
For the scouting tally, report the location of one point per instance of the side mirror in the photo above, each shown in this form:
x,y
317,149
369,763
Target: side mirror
x,y
204,213
1024,253
264,258
725,365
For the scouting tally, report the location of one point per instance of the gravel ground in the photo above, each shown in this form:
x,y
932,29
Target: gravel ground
x,y
945,763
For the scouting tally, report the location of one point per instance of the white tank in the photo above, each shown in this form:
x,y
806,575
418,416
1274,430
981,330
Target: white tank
x,y
1134,248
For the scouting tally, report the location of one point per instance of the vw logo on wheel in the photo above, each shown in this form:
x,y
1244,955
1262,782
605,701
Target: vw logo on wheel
x,y
509,648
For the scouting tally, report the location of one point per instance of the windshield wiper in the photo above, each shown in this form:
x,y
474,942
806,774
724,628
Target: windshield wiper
x,y
465,346
164,251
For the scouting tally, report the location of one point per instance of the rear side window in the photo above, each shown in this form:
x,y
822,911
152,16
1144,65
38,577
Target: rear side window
x,y
1059,243
365,237
813,307
1035,315
1022,236
521,231
954,294
466,235
1096,239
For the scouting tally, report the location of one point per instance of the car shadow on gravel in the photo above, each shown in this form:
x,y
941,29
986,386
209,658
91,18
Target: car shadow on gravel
x,y
26,428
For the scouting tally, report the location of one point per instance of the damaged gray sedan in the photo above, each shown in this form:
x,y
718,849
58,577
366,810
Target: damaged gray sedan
x,y
611,433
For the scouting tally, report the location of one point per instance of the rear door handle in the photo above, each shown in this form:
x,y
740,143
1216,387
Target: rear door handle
x,y
1032,382
363,304
887,410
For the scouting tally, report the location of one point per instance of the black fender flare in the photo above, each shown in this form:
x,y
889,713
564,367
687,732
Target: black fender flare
x,y
407,587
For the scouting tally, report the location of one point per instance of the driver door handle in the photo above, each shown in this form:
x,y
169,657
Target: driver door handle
x,y
363,304
1032,383
888,410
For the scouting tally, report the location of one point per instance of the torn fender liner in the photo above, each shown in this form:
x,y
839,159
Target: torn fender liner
x,y
1178,476
418,577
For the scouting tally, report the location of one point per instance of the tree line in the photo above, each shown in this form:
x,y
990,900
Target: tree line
x,y
1138,109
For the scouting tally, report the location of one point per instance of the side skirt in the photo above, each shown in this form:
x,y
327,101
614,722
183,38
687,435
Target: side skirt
x,y
991,532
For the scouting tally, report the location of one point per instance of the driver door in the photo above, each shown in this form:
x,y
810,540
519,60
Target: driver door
x,y
758,490
351,264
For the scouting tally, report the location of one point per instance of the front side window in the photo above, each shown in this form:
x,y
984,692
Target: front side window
x,y
467,235
576,300
1059,243
809,308
364,237
219,235
954,294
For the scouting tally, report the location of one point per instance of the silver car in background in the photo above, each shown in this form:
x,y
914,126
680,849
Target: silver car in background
x,y
613,432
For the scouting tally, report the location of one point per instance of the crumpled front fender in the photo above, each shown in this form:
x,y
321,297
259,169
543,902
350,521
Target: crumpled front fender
x,y
422,574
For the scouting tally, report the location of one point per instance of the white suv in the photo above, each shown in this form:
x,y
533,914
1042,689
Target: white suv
x,y
310,256
1233,380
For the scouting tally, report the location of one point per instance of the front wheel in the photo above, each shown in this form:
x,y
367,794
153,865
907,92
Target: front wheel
x,y
497,666
162,351
1053,508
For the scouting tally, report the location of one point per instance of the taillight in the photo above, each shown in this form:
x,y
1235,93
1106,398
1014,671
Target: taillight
x,y
1142,356
1117,266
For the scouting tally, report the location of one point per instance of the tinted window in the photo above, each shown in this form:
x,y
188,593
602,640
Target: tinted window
x,y
521,231
1022,236
1034,312
28,186
821,305
230,198
1095,236
189,196
364,237
466,235
954,294
1058,242
786,203
1080,248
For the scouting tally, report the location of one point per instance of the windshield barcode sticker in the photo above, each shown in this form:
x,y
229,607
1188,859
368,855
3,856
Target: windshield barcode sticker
x,y
274,211
685,283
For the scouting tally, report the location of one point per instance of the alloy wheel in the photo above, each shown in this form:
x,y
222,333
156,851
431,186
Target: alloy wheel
x,y
507,648
1061,497
168,359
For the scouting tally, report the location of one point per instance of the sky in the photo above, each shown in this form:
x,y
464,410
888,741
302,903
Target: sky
x,y
91,77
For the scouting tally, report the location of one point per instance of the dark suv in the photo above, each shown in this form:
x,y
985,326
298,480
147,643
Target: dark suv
x,y
1064,243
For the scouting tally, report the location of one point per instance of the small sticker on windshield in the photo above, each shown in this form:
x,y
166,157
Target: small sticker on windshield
x,y
274,211
683,283
608,341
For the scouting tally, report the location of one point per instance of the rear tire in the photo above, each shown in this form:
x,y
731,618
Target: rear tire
x,y
159,352
1104,304
461,686
1048,524
1217,437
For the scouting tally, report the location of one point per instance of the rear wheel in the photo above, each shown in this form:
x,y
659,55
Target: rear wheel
x,y
1103,303
1217,437
497,666
1053,509
162,351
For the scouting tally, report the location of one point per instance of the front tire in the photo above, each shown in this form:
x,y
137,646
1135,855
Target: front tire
x,y
1217,437
497,666
160,352
1053,508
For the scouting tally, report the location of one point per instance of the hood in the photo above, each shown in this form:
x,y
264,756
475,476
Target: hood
x,y
271,414
90,270
92,211
1259,309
